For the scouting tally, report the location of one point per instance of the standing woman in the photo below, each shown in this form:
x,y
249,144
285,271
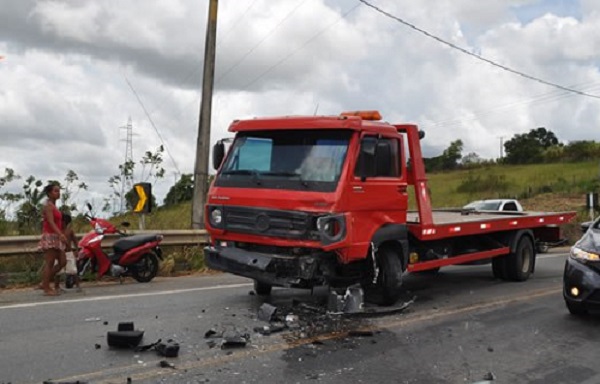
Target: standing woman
x,y
53,240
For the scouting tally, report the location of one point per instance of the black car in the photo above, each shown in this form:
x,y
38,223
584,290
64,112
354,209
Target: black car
x,y
581,279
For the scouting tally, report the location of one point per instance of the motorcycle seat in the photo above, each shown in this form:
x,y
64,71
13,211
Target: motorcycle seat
x,y
123,245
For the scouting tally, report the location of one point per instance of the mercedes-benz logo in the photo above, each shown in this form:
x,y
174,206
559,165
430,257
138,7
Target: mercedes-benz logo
x,y
262,223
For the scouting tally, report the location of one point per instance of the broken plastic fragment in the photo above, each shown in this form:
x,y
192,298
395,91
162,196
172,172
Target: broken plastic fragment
x,y
266,312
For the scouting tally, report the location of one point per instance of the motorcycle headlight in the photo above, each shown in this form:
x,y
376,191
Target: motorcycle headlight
x,y
580,254
98,229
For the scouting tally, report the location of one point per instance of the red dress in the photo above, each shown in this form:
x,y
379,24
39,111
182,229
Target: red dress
x,y
51,239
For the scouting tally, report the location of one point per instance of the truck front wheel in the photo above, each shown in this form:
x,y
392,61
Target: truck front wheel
x,y
386,288
519,264
262,289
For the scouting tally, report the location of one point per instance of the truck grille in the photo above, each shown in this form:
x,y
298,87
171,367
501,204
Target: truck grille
x,y
256,221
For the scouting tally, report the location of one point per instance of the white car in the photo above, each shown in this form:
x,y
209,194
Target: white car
x,y
495,205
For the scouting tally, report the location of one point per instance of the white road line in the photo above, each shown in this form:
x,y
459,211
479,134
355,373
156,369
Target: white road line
x,y
552,256
112,297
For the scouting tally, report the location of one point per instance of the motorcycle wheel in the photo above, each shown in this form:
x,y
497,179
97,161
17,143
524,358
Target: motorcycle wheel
x,y
146,269
69,281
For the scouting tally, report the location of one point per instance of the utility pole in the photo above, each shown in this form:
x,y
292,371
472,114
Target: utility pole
x,y
203,143
126,178
501,147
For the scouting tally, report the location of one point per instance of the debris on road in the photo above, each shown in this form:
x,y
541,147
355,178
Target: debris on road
x,y
266,312
166,364
125,337
232,338
170,348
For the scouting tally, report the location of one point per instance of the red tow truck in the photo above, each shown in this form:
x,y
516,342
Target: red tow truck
x,y
324,200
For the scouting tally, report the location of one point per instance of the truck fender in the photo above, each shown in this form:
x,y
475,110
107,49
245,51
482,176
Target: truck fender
x,y
514,241
394,233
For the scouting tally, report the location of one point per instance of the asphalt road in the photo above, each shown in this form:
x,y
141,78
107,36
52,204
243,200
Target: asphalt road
x,y
463,327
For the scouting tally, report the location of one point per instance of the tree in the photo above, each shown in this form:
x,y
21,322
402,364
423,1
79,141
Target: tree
x,y
447,160
69,191
452,155
29,213
7,199
528,148
183,190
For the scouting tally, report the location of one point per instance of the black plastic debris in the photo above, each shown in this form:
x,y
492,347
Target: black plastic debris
x,y
166,364
97,346
125,337
147,347
234,339
266,312
212,333
170,348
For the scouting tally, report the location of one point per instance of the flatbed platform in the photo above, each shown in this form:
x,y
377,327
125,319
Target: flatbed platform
x,y
449,222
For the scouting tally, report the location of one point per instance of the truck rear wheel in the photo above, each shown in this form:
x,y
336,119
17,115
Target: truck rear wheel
x,y
499,267
519,264
386,289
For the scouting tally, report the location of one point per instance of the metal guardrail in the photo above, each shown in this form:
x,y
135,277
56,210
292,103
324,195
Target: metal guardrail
x,y
18,245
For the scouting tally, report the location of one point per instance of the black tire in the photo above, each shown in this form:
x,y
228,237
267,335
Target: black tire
x,y
262,289
576,309
499,267
146,269
69,281
519,264
386,290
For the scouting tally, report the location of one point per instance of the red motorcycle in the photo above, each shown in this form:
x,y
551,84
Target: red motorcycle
x,y
133,255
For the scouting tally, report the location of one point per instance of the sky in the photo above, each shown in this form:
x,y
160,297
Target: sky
x,y
74,73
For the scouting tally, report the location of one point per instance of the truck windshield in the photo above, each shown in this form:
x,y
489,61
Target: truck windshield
x,y
289,159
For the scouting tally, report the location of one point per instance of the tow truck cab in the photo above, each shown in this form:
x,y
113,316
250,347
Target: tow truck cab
x,y
306,201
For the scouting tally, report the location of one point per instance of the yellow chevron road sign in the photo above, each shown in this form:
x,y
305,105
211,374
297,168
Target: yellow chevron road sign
x,y
143,192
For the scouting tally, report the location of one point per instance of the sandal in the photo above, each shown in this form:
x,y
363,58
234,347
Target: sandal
x,y
51,293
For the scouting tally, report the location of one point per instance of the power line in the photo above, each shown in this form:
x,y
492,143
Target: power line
x,y
153,125
285,58
454,46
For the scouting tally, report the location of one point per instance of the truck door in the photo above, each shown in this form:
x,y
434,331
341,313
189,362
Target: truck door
x,y
378,192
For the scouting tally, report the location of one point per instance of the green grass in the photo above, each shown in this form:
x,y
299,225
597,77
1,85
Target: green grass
x,y
504,181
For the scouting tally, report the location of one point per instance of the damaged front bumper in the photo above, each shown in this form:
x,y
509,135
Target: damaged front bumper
x,y
303,271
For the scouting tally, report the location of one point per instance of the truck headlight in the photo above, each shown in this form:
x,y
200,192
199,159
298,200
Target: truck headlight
x,y
580,254
215,216
331,228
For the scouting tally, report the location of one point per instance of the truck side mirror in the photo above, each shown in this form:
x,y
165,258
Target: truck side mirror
x,y
421,134
218,154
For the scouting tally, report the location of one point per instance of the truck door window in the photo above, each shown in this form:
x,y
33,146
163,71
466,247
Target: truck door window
x,y
379,157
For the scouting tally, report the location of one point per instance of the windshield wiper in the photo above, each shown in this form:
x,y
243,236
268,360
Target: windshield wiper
x,y
250,172
288,174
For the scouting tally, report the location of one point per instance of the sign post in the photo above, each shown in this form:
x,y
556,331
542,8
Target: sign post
x,y
143,203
